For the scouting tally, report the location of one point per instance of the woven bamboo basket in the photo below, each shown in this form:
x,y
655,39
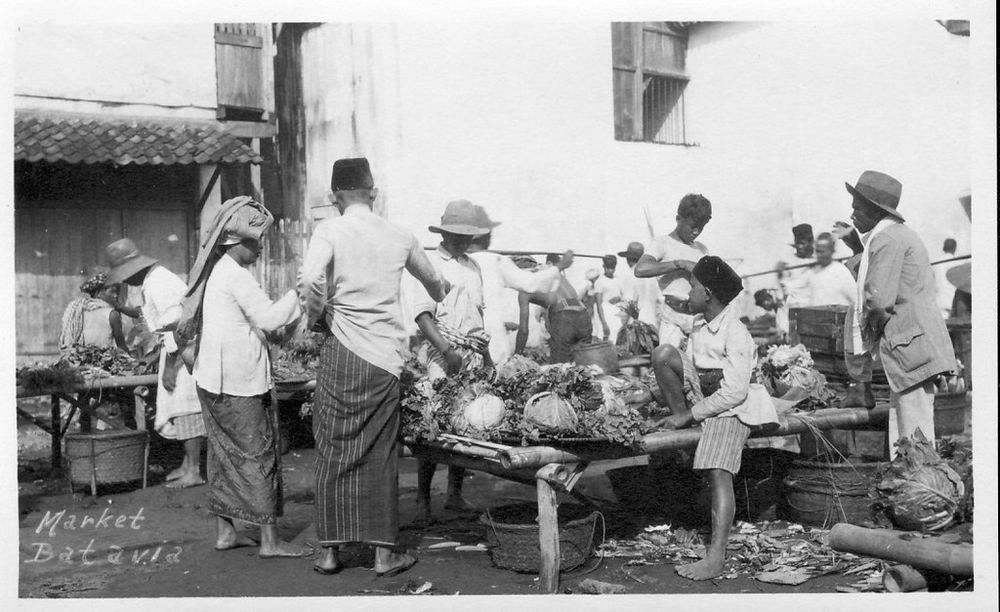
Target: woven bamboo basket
x,y
821,494
514,546
107,457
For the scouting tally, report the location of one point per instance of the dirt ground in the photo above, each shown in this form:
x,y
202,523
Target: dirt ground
x,y
130,542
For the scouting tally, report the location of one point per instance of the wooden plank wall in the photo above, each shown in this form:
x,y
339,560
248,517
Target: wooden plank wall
x,y
281,255
66,215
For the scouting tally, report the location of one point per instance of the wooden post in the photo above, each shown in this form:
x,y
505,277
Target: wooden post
x,y
56,450
548,534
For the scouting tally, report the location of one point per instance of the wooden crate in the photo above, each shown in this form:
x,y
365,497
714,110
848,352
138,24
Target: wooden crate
x,y
818,328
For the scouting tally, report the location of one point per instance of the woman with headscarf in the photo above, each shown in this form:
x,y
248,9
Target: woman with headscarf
x,y
232,316
92,320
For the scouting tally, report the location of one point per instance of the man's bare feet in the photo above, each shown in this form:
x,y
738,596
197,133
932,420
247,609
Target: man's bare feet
x,y
280,548
393,564
189,479
705,569
177,473
327,563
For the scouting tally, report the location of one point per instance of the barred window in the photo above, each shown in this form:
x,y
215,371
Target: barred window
x,y
649,78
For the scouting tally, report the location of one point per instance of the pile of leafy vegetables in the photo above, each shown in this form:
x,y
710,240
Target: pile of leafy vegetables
x,y
80,363
299,359
430,408
95,361
41,377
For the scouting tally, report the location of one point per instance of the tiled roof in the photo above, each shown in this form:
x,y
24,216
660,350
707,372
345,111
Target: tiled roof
x,y
91,139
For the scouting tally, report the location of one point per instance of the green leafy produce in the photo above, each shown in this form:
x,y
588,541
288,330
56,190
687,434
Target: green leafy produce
x,y
95,361
550,413
635,337
41,377
299,359
539,402
919,491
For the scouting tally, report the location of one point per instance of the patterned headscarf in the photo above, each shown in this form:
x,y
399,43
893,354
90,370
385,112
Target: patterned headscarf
x,y
94,284
241,217
71,332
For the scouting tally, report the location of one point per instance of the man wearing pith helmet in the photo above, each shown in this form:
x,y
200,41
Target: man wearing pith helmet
x,y
896,312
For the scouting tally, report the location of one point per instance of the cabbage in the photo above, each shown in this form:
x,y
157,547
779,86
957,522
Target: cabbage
x,y
919,491
809,379
484,412
550,413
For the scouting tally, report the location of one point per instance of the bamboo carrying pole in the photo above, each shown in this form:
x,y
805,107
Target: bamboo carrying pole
x,y
806,265
954,559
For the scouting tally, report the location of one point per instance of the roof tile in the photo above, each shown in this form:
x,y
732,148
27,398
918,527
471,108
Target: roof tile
x,y
50,136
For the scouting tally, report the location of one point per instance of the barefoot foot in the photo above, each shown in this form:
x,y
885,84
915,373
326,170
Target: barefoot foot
x,y
705,569
393,564
233,540
327,563
281,548
190,479
176,473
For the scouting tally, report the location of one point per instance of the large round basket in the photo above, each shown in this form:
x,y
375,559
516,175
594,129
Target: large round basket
x,y
821,494
106,457
513,536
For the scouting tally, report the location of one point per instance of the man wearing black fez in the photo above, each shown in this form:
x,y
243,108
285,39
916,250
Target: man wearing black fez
x,y
709,383
356,411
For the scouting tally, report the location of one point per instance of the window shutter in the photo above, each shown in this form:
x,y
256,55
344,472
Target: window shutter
x,y
627,82
239,71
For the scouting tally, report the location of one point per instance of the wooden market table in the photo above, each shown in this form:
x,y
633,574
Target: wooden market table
x,y
79,398
554,468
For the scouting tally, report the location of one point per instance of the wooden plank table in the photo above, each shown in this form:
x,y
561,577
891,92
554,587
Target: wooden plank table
x,y
555,469
78,397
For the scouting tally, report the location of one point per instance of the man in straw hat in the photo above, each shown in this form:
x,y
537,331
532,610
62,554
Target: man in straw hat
x,y
232,368
896,314
350,283
178,410
453,329
501,275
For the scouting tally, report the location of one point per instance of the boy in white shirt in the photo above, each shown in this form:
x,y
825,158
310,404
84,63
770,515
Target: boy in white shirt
x,y
709,383
671,258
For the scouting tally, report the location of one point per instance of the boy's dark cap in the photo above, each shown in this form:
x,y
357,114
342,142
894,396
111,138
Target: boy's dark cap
x,y
716,275
610,261
351,173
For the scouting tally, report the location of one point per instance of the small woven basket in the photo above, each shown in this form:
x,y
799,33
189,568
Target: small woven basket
x,y
514,546
107,457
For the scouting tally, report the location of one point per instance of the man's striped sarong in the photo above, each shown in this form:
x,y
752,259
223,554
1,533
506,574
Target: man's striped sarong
x,y
356,425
